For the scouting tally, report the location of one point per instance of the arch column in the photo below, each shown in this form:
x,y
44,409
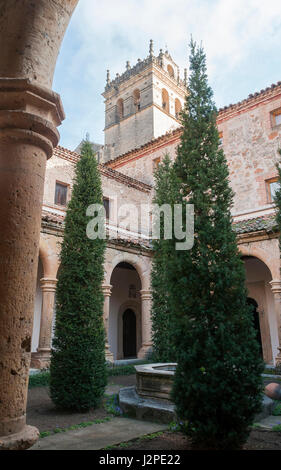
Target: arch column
x,y
146,298
106,288
30,35
41,359
276,290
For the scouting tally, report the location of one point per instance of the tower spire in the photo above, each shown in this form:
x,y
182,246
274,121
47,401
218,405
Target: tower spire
x,y
151,51
107,77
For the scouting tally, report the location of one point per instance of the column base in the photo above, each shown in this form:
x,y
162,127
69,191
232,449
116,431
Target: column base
x,y
20,441
145,351
41,359
278,361
108,355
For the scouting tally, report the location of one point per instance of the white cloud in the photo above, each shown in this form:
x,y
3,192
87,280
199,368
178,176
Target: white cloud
x,y
110,32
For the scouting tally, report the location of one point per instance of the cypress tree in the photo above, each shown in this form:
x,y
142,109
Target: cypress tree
x,y
218,384
166,192
78,368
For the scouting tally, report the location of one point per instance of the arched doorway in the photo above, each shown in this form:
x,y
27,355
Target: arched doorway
x,y
256,321
129,334
258,278
124,322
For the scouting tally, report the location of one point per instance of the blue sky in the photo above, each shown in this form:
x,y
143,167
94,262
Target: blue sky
x,y
241,38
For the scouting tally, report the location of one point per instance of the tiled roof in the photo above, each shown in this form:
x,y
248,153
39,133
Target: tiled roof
x,y
265,223
265,93
176,133
74,157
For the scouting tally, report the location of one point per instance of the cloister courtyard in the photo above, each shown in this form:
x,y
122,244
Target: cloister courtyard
x,y
105,343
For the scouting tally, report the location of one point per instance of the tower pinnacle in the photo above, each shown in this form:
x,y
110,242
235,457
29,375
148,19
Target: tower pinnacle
x,y
151,51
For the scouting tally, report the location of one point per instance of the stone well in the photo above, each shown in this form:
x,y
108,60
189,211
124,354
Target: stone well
x,y
151,398
155,380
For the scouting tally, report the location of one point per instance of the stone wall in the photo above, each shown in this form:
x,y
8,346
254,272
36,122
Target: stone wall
x,y
250,141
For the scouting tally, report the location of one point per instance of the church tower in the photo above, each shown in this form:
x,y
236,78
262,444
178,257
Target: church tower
x,y
143,103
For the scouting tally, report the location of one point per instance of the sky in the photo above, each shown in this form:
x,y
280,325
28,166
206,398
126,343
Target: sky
x,y
241,39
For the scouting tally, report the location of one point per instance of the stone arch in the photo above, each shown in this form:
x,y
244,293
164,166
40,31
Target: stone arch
x,y
258,281
262,255
137,98
165,100
130,258
120,108
178,108
31,36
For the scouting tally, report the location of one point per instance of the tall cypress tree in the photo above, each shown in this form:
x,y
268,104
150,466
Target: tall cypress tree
x,y
218,385
167,191
78,368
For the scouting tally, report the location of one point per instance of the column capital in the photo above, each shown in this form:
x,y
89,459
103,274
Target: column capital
x,y
48,284
30,113
146,294
275,286
106,288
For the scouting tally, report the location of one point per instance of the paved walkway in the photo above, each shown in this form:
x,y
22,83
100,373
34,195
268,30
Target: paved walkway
x,y
269,422
99,436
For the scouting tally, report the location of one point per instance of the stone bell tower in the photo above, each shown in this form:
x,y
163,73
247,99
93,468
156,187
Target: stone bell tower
x,y
143,103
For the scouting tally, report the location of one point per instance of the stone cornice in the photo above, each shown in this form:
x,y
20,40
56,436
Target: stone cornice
x,y
150,61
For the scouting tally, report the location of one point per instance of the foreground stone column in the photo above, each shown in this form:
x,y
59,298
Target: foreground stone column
x,y
146,297
276,290
28,118
107,294
30,38
41,359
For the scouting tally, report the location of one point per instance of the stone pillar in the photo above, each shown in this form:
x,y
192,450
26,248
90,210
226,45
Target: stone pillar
x,y
107,294
30,35
41,359
276,290
146,347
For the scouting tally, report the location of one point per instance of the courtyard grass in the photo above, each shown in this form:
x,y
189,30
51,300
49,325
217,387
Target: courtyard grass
x,y
41,379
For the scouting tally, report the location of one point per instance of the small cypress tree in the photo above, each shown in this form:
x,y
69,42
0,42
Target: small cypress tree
x,y
218,384
167,191
78,368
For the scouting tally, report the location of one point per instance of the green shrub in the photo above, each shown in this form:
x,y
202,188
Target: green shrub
x,y
78,368
218,384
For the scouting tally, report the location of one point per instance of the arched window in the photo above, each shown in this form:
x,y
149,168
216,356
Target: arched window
x,y
177,108
136,96
171,71
165,101
120,108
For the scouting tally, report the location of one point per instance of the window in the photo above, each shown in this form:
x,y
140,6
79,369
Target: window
x,y
136,96
156,163
165,101
120,108
177,108
276,117
220,138
61,194
106,205
272,187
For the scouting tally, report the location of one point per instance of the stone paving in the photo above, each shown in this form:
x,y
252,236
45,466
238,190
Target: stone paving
x,y
99,436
